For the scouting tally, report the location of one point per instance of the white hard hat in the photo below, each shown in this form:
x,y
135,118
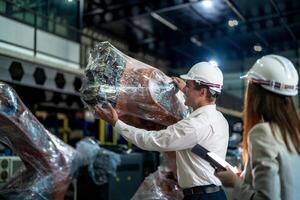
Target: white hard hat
x,y
276,74
207,74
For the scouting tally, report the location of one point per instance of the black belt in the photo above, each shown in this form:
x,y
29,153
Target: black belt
x,y
201,190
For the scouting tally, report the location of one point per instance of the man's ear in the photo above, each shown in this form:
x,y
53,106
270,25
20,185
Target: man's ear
x,y
203,92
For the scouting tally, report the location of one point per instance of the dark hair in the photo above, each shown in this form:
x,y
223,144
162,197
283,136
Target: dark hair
x,y
210,94
262,105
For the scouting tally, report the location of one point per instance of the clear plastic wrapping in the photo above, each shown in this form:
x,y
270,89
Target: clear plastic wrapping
x,y
49,163
101,162
142,95
162,184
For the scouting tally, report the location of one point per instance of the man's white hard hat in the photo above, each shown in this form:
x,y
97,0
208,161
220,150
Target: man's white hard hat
x,y
207,74
276,74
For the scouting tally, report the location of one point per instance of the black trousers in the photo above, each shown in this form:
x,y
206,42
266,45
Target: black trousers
x,y
220,195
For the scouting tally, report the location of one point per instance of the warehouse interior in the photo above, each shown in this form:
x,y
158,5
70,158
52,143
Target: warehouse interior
x,y
45,47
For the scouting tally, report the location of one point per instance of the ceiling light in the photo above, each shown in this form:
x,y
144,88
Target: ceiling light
x,y
233,23
257,48
214,63
70,0
196,41
108,16
207,3
164,21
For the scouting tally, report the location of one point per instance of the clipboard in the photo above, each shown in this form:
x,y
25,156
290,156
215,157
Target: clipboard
x,y
214,160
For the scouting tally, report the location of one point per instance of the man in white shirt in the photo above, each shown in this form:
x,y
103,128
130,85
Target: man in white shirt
x,y
205,126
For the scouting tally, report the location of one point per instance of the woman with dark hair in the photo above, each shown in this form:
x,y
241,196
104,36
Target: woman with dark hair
x,y
271,140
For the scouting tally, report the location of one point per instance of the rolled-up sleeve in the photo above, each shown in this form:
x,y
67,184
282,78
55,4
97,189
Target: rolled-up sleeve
x,y
264,168
181,135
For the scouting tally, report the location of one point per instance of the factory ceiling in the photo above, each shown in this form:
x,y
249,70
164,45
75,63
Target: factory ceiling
x,y
185,32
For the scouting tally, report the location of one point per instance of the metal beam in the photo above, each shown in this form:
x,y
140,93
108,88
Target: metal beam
x,y
135,26
203,19
102,8
147,10
248,22
239,14
274,4
186,37
211,26
228,34
207,23
182,52
235,10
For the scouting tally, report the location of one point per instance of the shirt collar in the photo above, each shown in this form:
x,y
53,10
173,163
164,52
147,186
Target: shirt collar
x,y
203,109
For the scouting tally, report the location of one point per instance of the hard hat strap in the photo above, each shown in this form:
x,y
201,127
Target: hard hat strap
x,y
274,84
209,84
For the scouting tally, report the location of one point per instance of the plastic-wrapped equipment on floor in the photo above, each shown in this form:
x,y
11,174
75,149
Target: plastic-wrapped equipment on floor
x,y
162,184
101,162
49,162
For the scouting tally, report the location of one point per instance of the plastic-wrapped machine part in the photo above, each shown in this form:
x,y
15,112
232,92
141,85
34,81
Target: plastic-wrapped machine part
x,y
161,185
142,95
89,148
101,162
49,162
168,162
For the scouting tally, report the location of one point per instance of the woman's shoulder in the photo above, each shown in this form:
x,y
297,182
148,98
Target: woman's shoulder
x,y
261,127
263,132
263,140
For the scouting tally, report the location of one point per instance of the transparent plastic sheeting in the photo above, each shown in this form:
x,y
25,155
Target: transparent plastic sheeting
x,y
142,95
162,184
49,163
100,161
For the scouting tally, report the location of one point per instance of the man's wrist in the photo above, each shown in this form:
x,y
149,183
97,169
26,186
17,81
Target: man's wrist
x,y
113,123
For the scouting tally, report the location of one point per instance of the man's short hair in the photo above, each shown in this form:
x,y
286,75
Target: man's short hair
x,y
211,95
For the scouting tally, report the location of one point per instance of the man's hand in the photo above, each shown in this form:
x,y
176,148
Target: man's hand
x,y
108,114
179,82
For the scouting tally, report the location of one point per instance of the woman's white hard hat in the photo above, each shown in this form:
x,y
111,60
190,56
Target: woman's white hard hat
x,y
276,74
207,74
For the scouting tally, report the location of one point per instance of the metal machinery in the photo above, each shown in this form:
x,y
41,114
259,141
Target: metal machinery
x,y
123,186
9,165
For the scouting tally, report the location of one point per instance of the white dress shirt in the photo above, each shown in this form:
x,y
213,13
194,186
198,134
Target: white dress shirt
x,y
205,126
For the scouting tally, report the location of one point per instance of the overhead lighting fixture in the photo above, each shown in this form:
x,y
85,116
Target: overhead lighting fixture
x,y
214,63
70,0
257,48
164,21
233,22
196,41
207,3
